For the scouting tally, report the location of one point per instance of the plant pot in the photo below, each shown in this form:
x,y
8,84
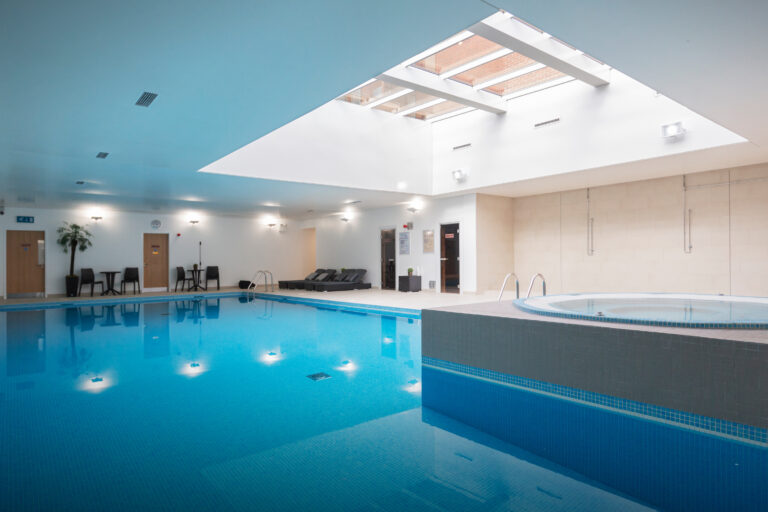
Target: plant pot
x,y
72,282
410,274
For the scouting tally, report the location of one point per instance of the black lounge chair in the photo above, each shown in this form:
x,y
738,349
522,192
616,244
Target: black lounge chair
x,y
352,280
87,278
130,276
328,275
181,277
212,273
299,283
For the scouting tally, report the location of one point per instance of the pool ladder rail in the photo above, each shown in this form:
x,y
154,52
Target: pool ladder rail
x,y
517,285
268,285
504,285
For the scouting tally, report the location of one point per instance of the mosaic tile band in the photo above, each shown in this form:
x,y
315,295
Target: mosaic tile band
x,y
690,420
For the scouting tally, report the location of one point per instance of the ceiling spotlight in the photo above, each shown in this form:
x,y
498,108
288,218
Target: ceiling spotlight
x,y
353,201
673,130
459,175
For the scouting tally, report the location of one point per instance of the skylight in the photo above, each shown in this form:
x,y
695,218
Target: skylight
x,y
483,67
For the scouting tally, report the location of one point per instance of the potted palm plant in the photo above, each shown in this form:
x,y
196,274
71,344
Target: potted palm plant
x,y
71,238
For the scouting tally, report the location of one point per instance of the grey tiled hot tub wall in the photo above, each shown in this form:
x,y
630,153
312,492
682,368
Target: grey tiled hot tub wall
x,y
717,378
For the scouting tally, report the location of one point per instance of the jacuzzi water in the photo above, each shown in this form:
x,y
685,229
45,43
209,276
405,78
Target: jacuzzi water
x,y
711,311
207,405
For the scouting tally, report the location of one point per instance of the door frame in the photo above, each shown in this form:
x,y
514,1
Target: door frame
x,y
439,254
141,259
4,257
381,279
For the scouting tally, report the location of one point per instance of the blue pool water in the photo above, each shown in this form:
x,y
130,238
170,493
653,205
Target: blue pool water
x,y
206,405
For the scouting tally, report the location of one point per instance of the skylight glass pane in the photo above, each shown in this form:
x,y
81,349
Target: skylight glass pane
x,y
372,92
525,81
436,110
410,100
465,51
494,69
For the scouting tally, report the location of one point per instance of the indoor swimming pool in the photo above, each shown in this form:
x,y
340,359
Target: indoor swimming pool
x,y
233,403
663,309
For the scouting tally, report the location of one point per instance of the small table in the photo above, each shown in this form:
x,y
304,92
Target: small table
x,y
110,279
409,283
196,272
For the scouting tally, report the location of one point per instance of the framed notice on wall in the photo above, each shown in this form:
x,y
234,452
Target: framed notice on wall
x,y
405,243
429,240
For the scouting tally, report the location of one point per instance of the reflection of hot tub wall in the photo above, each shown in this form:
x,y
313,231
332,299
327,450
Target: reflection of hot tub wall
x,y
623,368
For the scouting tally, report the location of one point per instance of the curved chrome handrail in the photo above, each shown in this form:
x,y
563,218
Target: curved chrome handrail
x,y
504,285
543,285
268,285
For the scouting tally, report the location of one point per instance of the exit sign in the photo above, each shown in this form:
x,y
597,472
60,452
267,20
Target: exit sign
x,y
25,220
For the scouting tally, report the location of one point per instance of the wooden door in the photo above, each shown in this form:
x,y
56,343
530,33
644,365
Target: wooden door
x,y
155,260
388,259
25,261
450,277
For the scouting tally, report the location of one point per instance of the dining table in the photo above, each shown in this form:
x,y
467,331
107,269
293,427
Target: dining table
x,y
109,277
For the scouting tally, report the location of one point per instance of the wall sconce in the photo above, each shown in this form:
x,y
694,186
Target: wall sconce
x,y
459,175
345,219
415,205
96,218
194,221
673,131
271,225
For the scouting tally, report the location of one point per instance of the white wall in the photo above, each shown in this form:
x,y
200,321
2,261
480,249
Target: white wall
x,y
357,243
238,246
340,144
598,127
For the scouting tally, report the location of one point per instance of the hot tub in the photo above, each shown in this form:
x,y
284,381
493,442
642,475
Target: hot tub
x,y
662,309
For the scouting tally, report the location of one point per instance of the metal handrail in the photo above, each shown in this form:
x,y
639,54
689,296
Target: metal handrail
x,y
267,285
504,285
543,285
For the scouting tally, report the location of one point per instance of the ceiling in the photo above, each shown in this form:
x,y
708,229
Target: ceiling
x,y
225,75
228,75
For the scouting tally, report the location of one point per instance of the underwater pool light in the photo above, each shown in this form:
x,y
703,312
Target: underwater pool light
x,y
347,366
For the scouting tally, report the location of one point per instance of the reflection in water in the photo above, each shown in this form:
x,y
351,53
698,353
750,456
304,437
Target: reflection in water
x,y
157,335
388,337
25,349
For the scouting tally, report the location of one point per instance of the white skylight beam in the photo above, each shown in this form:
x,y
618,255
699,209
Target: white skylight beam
x,y
420,107
391,97
509,76
477,62
432,84
506,31
358,87
539,87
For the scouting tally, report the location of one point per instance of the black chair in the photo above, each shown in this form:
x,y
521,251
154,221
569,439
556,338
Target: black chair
x,y
87,277
131,275
181,277
212,273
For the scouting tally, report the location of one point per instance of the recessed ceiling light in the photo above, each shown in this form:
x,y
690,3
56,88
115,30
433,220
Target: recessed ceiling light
x,y
353,201
270,204
673,130
102,154
146,99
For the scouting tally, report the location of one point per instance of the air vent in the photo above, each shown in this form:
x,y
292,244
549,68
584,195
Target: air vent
x,y
547,123
319,376
80,182
102,155
146,99
467,145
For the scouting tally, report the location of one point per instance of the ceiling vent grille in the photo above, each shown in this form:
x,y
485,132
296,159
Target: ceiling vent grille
x,y
146,99
463,146
102,155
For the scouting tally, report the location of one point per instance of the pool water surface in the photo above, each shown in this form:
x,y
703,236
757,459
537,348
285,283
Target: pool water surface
x,y
208,404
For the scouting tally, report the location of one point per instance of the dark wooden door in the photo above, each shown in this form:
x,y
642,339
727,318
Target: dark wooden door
x,y
450,277
388,259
